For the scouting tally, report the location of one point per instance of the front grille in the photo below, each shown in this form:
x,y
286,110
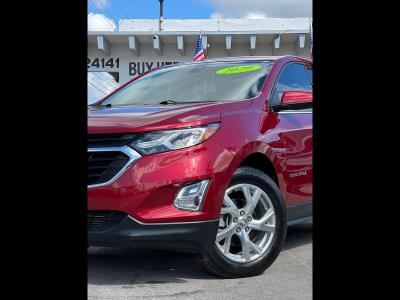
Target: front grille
x,y
103,220
109,139
104,165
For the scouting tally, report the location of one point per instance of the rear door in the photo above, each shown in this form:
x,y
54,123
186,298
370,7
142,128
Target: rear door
x,y
296,126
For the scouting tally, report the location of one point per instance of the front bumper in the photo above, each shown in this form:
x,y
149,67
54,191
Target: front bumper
x,y
147,189
129,233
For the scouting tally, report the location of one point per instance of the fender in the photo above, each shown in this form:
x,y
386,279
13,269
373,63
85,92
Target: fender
x,y
275,156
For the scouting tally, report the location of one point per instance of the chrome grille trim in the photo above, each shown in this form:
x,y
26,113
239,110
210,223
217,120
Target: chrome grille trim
x,y
132,154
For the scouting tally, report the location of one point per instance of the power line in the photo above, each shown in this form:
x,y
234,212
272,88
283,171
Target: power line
x,y
96,88
107,89
122,9
107,81
111,80
105,8
112,16
101,14
101,74
96,85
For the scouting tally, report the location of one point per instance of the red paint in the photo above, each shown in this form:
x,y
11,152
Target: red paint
x,y
147,189
296,96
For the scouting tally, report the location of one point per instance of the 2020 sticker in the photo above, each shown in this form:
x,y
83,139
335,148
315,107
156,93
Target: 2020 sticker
x,y
238,69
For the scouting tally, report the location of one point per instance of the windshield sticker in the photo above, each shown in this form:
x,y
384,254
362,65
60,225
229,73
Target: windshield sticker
x,y
238,69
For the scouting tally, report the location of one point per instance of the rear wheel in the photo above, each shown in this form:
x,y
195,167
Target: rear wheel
x,y
252,226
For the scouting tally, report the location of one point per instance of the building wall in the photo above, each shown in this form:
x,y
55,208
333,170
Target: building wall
x,y
130,65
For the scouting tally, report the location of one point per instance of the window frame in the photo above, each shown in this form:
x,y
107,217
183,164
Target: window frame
x,y
310,75
279,75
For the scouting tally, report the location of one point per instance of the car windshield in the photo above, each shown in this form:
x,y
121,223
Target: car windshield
x,y
194,83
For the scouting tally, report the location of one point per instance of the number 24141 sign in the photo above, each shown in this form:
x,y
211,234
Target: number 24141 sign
x,y
102,63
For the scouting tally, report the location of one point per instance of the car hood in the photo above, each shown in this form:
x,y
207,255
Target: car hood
x,y
146,118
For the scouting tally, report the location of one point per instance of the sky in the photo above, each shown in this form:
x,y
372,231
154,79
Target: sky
x,y
104,14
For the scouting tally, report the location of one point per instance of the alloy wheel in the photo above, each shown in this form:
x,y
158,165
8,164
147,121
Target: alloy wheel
x,y
247,223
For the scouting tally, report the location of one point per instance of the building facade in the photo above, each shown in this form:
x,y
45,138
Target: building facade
x,y
140,45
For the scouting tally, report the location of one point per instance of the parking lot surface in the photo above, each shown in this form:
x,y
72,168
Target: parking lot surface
x,y
156,274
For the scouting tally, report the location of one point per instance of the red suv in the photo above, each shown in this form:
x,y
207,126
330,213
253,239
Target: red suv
x,y
213,156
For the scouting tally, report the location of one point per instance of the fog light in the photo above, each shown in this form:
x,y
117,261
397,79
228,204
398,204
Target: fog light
x,y
191,196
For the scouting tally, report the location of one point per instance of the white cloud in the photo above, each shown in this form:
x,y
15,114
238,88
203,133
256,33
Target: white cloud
x,y
255,15
258,8
216,15
100,3
99,22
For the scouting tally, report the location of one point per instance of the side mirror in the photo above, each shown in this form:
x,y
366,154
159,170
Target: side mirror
x,y
293,100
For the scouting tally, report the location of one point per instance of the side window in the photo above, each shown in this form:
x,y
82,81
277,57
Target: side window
x,y
293,77
309,70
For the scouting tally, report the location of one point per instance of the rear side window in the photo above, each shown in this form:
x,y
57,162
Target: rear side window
x,y
294,77
309,70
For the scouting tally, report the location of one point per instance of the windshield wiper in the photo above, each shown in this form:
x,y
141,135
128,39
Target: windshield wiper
x,y
169,102
99,105
181,102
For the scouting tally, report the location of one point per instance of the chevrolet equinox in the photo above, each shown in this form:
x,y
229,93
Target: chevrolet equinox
x,y
212,156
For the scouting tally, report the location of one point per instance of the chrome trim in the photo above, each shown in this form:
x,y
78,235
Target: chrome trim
x,y
203,193
171,223
132,154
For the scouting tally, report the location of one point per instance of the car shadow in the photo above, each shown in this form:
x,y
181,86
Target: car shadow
x,y
134,267
298,235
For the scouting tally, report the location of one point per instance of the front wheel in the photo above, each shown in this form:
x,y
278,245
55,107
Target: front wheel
x,y
252,226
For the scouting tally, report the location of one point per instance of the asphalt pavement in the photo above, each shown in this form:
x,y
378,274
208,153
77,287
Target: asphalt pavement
x,y
157,274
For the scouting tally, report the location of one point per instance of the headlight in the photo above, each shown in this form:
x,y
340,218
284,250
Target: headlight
x,y
163,141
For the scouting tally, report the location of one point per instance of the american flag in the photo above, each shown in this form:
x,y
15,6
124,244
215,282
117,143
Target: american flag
x,y
199,53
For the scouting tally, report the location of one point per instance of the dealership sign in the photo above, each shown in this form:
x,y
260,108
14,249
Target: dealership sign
x,y
127,68
139,67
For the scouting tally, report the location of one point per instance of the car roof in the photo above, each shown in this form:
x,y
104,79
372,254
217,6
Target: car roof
x,y
285,58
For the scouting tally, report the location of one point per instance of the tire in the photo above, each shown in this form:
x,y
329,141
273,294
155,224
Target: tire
x,y
245,263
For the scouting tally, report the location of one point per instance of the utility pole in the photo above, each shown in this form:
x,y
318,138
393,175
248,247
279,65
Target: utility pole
x,y
161,25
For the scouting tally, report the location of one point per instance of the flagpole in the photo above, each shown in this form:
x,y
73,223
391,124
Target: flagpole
x,y
199,53
161,20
